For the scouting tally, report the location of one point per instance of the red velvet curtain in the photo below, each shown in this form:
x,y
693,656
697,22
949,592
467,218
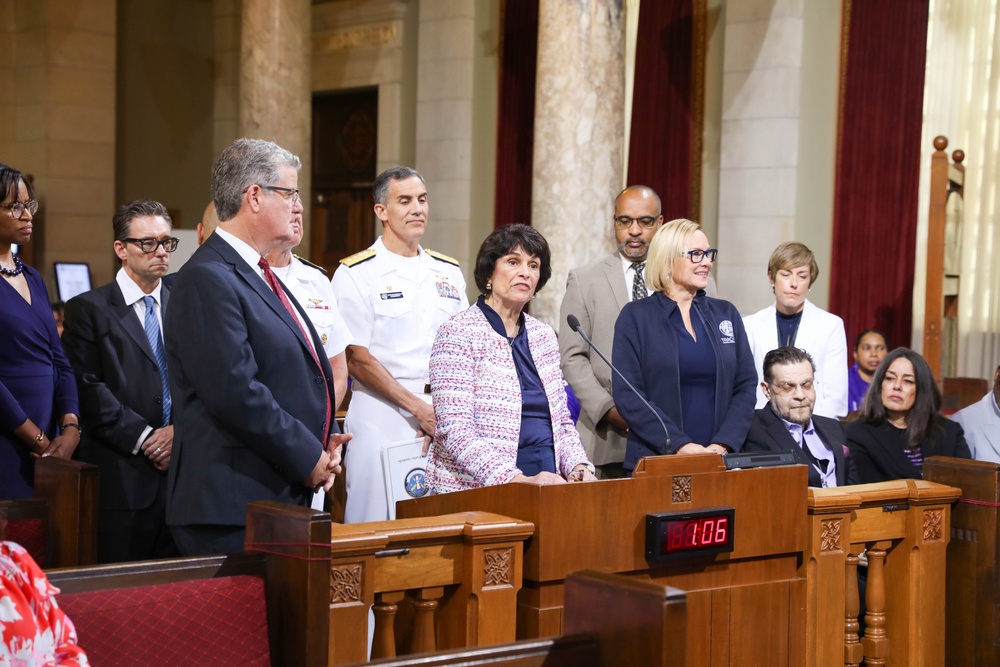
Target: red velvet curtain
x,y
878,164
516,113
663,109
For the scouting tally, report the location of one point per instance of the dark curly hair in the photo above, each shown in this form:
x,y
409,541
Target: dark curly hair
x,y
501,242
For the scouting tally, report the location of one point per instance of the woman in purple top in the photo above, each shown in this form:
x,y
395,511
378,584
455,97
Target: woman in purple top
x,y
869,351
900,423
38,402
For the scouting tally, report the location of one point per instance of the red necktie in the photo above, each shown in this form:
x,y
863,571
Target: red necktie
x,y
272,280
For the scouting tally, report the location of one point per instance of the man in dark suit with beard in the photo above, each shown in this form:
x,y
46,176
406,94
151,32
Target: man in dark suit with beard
x,y
787,423
113,340
252,398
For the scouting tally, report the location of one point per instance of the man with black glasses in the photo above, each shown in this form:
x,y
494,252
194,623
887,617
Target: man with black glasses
x,y
596,293
113,340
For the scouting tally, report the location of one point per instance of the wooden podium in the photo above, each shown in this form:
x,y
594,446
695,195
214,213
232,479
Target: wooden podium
x,y
749,602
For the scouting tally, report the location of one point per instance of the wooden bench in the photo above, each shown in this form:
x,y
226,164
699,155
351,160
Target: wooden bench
x,y
258,608
610,620
58,527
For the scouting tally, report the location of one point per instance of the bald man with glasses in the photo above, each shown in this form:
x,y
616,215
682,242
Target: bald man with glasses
x,y
595,294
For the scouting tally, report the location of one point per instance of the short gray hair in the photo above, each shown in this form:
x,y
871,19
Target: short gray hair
x,y
380,190
244,163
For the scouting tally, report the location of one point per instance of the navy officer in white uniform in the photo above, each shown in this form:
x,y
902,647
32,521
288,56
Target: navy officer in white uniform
x,y
393,296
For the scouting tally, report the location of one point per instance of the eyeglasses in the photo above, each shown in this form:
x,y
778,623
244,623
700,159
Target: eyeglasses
x,y
791,387
150,245
18,208
697,255
291,195
624,221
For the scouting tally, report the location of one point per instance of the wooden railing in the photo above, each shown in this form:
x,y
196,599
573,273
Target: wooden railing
x,y
435,583
611,620
903,529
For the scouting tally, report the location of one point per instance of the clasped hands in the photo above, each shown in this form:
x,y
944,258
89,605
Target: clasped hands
x,y
328,466
694,448
579,474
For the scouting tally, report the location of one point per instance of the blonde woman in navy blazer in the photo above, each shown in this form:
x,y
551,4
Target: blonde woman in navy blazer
x,y
685,352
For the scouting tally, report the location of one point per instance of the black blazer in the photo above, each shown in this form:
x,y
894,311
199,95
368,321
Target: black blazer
x,y
249,402
120,393
769,434
879,455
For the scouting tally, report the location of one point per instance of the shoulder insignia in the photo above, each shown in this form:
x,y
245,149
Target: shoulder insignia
x,y
440,257
358,257
315,266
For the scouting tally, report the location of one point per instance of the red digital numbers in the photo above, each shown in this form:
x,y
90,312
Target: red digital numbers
x,y
697,533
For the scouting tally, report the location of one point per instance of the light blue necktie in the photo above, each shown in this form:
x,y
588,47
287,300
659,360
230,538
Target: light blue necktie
x,y
152,327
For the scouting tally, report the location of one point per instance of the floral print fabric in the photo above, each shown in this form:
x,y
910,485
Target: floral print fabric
x,y
33,630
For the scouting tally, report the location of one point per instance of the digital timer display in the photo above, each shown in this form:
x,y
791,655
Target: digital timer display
x,y
680,534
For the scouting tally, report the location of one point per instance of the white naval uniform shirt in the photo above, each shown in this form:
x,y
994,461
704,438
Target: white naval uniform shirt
x,y
393,305
313,291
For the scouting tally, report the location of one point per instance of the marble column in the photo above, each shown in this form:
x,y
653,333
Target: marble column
x,y
579,125
275,80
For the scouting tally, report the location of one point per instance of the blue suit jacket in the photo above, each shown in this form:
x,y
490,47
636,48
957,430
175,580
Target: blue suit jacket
x,y
645,351
249,402
120,393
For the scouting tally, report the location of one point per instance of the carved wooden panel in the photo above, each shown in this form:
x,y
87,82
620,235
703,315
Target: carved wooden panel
x,y
933,526
681,489
496,567
830,535
345,584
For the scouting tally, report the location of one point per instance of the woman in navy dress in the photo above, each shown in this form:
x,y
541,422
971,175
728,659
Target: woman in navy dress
x,y
38,402
686,353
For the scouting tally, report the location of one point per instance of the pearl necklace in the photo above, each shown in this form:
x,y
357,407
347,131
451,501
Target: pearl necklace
x,y
16,271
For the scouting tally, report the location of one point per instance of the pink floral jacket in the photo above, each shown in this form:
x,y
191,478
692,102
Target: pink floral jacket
x,y
33,630
477,403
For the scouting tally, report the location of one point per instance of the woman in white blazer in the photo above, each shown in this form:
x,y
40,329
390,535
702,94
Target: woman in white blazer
x,y
793,320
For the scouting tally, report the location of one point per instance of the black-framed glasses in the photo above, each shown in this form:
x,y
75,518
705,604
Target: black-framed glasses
x,y
291,195
18,208
646,222
150,245
697,255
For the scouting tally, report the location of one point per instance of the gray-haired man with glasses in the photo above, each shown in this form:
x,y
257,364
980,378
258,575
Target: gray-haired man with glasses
x,y
113,340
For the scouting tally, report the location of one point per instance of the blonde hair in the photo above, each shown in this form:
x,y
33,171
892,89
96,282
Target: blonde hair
x,y
668,243
790,255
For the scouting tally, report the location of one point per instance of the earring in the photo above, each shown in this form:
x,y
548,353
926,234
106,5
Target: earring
x,y
489,285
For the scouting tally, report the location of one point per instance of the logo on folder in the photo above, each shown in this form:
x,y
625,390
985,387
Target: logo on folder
x,y
416,483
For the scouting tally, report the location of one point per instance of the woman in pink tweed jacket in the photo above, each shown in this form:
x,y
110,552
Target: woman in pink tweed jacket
x,y
499,398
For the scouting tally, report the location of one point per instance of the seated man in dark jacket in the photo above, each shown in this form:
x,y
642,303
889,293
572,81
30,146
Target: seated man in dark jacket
x,y
787,423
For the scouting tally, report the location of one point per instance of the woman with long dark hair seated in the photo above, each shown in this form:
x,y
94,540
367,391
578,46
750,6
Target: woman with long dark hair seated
x,y
900,423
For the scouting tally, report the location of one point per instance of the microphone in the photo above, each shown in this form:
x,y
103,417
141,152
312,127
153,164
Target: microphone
x,y
574,324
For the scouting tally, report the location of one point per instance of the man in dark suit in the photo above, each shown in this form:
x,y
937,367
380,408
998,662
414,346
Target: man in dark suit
x,y
252,398
787,423
112,338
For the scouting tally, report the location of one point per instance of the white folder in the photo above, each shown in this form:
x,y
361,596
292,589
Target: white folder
x,y
405,472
